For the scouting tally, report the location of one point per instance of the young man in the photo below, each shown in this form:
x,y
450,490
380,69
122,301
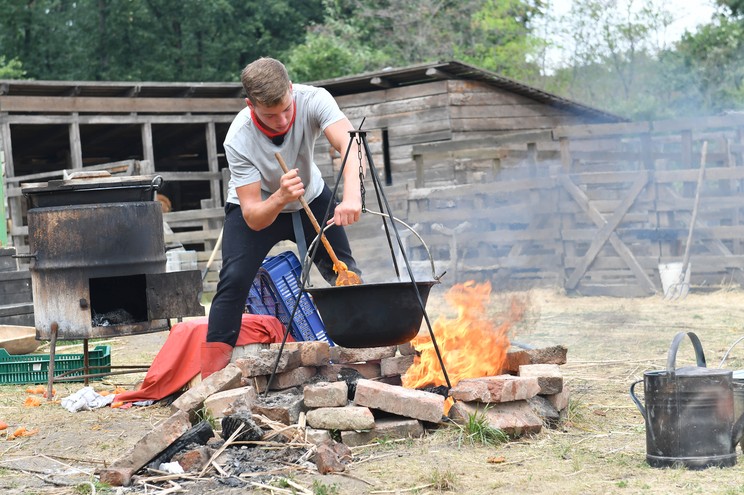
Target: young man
x,y
262,200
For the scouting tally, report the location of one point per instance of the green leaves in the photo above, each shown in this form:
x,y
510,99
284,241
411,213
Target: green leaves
x,y
150,40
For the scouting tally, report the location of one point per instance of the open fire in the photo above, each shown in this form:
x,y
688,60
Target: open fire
x,y
472,345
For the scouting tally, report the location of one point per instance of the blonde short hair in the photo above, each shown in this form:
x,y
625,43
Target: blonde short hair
x,y
265,81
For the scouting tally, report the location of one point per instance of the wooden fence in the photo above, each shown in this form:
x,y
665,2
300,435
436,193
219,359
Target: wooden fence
x,y
592,209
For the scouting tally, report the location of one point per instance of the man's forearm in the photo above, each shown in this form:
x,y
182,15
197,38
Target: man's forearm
x,y
260,215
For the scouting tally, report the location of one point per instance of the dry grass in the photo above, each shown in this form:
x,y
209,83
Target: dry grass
x,y
599,449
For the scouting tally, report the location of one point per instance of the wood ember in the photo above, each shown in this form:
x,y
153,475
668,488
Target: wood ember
x,y
196,435
251,431
442,390
351,377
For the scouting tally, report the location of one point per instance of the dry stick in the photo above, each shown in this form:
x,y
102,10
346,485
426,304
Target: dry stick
x,y
356,478
520,461
399,490
89,461
375,458
265,473
295,485
273,444
219,468
66,465
356,447
269,487
221,449
38,474
307,454
168,477
279,428
174,489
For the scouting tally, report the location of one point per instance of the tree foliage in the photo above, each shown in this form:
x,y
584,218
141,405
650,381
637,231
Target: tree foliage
x,y
713,59
615,59
158,40
503,39
373,34
612,55
11,69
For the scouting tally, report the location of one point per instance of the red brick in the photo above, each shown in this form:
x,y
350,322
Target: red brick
x,y
501,388
416,404
397,365
116,476
326,394
343,355
513,418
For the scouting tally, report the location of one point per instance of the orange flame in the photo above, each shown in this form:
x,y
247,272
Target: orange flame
x,y
471,344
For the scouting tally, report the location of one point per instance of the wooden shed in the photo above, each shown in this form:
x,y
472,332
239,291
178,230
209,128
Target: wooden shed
x,y
176,130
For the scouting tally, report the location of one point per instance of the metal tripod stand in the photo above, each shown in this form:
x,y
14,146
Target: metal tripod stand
x,y
361,144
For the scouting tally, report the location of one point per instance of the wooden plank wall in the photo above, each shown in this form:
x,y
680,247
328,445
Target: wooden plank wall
x,y
596,217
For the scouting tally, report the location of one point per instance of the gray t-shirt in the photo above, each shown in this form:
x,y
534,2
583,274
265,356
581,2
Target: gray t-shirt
x,y
250,153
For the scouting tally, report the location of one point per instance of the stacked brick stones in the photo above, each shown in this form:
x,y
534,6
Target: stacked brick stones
x,y
358,392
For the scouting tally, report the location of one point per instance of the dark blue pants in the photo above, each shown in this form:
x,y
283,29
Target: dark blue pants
x,y
243,251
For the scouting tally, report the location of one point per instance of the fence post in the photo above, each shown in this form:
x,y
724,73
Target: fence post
x,y
565,154
3,220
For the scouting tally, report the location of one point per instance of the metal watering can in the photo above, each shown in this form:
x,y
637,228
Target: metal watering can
x,y
689,413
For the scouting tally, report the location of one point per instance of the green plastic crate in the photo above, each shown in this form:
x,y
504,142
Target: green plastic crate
x,y
34,368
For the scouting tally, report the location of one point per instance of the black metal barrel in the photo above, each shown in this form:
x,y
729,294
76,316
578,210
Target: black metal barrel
x,y
91,261
104,240
98,262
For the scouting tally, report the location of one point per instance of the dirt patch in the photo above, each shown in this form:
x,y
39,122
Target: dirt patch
x,y
599,448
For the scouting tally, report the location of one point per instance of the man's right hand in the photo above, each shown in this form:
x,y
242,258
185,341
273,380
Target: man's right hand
x,y
259,213
291,187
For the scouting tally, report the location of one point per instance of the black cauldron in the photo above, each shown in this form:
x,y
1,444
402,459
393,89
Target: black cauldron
x,y
372,315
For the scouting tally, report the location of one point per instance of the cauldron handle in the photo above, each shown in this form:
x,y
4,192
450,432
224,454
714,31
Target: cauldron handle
x,y
635,399
306,261
672,356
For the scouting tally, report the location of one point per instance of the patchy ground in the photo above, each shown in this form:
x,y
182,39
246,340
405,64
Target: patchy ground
x,y
600,448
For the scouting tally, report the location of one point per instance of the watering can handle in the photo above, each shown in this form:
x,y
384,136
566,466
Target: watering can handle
x,y
635,399
672,356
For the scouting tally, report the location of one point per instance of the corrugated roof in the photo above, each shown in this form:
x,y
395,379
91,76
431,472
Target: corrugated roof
x,y
423,73
14,87
361,83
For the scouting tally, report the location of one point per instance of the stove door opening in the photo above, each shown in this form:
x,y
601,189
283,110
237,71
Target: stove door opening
x,y
118,300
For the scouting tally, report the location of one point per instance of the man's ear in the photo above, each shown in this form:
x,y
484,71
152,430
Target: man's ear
x,y
248,102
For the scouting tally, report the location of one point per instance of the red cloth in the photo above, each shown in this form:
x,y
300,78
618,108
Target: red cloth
x,y
179,360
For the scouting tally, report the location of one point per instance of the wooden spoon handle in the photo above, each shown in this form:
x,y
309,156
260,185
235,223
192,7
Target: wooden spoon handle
x,y
336,262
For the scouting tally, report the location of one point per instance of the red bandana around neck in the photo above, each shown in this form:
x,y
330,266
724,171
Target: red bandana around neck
x,y
271,134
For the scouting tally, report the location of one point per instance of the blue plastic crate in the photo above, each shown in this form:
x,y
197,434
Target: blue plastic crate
x,y
274,292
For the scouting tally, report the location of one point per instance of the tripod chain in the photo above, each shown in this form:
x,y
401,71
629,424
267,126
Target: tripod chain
x,y
361,171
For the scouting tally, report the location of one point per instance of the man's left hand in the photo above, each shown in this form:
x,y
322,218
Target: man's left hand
x,y
347,212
